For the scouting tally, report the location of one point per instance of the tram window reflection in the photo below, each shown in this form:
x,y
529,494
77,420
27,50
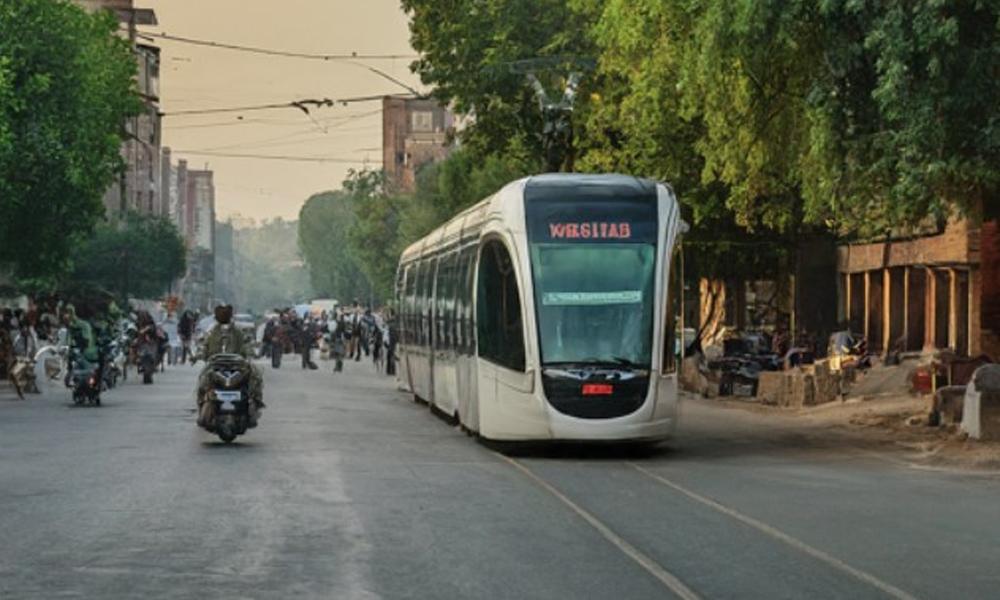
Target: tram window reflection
x,y
594,302
498,315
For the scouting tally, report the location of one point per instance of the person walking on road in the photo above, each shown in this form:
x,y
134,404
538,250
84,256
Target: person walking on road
x,y
185,329
305,338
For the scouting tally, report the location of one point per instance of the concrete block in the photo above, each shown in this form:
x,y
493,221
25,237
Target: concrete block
x,y
981,409
771,387
827,382
691,377
947,405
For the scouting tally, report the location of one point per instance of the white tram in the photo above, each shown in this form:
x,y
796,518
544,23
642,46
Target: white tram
x,y
548,311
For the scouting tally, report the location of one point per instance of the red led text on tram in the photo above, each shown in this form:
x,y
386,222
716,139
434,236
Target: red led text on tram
x,y
598,389
591,230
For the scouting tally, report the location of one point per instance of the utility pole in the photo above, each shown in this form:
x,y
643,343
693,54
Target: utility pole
x,y
557,106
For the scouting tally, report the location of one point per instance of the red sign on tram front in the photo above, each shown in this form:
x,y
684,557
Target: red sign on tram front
x,y
591,230
598,389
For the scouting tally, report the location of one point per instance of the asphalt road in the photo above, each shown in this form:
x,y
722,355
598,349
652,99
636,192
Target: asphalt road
x,y
350,490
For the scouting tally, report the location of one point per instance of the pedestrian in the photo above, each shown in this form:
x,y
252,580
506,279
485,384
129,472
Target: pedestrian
x,y
306,337
337,345
185,329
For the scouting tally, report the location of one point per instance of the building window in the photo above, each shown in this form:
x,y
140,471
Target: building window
x,y
422,120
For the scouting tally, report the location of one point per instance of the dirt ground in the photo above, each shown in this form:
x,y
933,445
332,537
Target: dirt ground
x,y
892,427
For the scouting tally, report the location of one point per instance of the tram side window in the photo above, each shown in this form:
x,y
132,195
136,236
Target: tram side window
x,y
672,348
454,287
430,269
448,303
440,296
465,260
460,292
470,280
408,302
498,313
418,305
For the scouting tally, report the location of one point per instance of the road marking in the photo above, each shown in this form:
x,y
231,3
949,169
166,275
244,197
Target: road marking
x,y
816,553
674,584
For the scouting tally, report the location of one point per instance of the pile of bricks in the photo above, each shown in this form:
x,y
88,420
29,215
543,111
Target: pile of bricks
x,y
808,385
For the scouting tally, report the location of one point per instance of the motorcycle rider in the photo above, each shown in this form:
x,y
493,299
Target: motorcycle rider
x,y
226,339
81,334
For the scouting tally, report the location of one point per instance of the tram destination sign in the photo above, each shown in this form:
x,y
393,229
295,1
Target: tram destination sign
x,y
592,220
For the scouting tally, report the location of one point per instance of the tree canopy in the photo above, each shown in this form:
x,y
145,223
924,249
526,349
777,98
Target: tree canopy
x,y
325,222
66,87
852,116
470,50
138,258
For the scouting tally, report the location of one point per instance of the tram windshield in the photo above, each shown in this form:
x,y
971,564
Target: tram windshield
x,y
594,302
593,259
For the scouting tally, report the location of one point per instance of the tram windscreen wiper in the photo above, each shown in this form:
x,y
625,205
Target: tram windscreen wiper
x,y
625,362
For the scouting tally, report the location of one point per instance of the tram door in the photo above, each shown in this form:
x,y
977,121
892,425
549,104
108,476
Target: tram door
x,y
500,331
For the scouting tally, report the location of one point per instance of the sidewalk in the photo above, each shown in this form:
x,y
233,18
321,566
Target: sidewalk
x,y
892,427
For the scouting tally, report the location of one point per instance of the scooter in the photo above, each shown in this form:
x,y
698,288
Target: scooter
x,y
228,401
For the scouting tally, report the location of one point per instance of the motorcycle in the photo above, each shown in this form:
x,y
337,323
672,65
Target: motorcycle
x,y
84,378
114,364
229,397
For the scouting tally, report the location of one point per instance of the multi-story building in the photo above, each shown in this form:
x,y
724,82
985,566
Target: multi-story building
x,y
198,228
415,132
139,187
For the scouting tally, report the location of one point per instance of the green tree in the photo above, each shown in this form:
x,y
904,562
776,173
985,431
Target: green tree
x,y
468,49
867,117
374,237
66,87
138,258
325,222
906,115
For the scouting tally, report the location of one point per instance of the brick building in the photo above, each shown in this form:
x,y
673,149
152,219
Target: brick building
x,y
139,188
415,132
927,293
195,218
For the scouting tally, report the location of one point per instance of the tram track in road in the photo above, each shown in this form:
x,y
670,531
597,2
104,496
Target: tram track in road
x,y
668,579
681,581
859,574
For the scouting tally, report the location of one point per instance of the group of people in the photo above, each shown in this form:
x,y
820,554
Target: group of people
x,y
89,324
350,332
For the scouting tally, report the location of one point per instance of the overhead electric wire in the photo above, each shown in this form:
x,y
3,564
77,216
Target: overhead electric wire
x,y
275,122
296,104
305,136
272,52
329,124
348,58
319,159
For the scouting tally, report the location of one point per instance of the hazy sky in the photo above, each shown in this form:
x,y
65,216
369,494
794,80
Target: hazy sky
x,y
194,77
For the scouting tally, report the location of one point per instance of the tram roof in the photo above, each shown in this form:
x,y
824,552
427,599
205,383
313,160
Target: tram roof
x,y
538,187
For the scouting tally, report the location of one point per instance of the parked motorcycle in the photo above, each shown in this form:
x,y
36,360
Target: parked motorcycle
x,y
229,397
